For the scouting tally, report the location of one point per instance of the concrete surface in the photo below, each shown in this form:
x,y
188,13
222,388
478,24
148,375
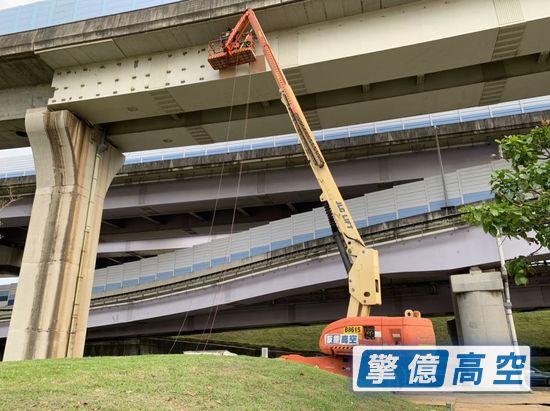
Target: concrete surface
x,y
155,89
74,169
479,308
536,400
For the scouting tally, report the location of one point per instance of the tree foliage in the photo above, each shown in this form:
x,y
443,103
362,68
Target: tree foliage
x,y
522,196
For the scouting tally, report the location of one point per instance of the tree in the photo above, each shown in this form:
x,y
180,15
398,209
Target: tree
x,y
522,197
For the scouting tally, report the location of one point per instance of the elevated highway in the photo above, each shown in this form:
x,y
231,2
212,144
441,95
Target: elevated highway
x,y
307,283
145,84
168,204
143,75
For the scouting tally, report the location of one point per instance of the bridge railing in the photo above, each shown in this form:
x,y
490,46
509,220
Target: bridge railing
x,y
24,165
47,13
464,186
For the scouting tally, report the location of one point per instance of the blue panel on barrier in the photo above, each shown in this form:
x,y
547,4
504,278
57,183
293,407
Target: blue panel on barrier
x,y
117,6
165,275
263,144
172,156
216,150
146,279
386,128
130,283
536,107
381,218
113,286
367,130
10,301
302,238
280,244
439,204
194,153
410,211
98,289
239,256
361,223
234,149
219,261
325,232
259,250
150,159
479,196
183,270
201,266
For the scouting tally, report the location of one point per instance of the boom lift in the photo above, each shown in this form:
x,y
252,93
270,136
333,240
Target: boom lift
x,y
237,47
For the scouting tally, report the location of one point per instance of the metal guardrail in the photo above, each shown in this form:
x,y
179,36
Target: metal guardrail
x,y
21,166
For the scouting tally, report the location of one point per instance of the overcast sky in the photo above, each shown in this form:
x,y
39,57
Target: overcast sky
x,y
8,4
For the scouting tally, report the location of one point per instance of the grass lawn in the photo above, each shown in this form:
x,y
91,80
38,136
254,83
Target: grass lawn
x,y
533,329
183,382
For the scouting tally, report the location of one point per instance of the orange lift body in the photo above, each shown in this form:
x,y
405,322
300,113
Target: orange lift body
x,y
359,328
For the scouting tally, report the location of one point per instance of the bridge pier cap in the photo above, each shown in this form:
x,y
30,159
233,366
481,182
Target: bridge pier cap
x,y
74,168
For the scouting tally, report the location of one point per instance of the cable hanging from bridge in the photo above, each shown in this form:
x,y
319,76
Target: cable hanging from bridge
x,y
214,307
228,246
216,203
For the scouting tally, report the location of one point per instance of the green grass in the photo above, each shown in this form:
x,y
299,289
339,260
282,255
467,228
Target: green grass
x,y
183,382
533,329
293,338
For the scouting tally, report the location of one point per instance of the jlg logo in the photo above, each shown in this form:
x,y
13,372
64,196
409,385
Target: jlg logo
x,y
345,217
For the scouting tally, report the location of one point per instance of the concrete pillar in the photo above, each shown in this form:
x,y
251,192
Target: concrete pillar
x,y
74,168
479,308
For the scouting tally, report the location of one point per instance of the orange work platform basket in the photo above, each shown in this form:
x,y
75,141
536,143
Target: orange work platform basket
x,y
220,58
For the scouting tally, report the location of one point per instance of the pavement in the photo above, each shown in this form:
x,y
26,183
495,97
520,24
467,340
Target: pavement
x,y
538,399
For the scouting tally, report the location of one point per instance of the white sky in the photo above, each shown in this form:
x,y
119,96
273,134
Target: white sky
x,y
14,152
8,4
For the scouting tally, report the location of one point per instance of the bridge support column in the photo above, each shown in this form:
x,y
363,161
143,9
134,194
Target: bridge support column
x,y
74,168
479,308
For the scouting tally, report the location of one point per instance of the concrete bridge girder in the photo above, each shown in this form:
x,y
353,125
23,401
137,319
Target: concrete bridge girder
x,y
15,102
182,93
280,185
448,250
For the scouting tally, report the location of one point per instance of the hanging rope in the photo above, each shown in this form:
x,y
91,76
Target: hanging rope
x,y
216,202
215,307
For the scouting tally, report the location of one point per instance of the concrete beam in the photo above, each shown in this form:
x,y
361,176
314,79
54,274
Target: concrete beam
x,y
15,102
10,260
155,29
74,168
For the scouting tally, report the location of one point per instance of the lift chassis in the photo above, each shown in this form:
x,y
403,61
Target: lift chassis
x,y
238,46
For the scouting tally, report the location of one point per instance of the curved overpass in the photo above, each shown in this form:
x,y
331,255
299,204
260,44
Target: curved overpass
x,y
306,283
